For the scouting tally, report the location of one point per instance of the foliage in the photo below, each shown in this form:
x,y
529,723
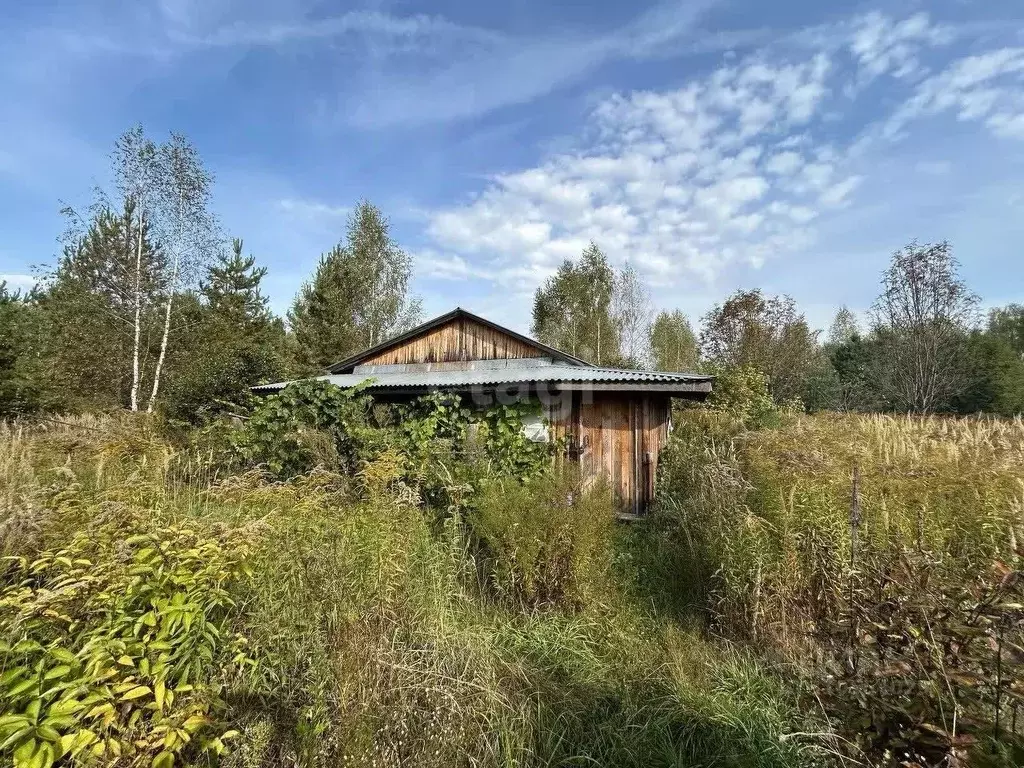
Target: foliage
x,y
750,329
109,269
997,385
572,311
853,361
375,644
924,660
673,343
1007,323
632,312
358,296
233,342
115,646
547,540
742,393
922,319
24,387
306,424
757,528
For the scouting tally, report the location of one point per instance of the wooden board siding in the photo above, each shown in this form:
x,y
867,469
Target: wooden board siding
x,y
458,340
621,436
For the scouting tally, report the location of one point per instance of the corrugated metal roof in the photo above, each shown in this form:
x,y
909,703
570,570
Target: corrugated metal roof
x,y
512,375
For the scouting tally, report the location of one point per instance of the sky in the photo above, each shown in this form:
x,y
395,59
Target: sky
x,y
715,145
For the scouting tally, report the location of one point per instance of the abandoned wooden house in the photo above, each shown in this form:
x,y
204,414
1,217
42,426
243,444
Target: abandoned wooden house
x,y
613,421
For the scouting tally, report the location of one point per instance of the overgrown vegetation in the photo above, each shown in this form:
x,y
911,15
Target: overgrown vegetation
x,y
336,619
879,553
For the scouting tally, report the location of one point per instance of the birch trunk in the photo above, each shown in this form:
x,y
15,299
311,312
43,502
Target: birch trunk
x,y
138,314
163,341
171,287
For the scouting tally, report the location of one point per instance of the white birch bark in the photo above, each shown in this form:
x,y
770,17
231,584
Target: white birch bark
x,y
138,313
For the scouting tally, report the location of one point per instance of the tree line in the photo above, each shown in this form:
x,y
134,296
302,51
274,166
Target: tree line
x,y
150,305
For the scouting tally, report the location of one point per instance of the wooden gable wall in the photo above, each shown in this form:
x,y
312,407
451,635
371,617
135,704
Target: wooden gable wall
x,y
458,340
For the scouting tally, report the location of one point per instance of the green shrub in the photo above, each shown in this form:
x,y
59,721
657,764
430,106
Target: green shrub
x,y
548,540
116,646
375,643
743,393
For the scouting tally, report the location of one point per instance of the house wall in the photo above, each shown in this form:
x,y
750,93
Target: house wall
x,y
457,340
619,437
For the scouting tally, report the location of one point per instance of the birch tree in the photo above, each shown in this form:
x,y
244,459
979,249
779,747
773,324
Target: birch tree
x,y
137,176
358,296
100,300
572,311
188,229
673,343
383,270
632,311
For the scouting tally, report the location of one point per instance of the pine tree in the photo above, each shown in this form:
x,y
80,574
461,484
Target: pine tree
x,y
229,341
103,290
358,296
24,386
232,289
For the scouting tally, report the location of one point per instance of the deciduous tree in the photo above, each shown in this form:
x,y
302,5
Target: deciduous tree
x,y
232,339
673,343
187,229
922,321
358,297
766,332
572,311
100,306
632,312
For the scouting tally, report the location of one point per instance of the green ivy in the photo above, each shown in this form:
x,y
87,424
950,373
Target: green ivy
x,y
444,444
292,431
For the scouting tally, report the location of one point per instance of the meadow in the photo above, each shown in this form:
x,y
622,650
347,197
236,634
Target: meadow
x,y
162,606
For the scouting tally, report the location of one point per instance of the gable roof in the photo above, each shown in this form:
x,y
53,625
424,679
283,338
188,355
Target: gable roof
x,y
345,366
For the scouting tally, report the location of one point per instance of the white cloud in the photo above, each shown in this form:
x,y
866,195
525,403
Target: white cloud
x,y
731,167
784,163
18,282
314,210
883,45
986,87
838,194
683,183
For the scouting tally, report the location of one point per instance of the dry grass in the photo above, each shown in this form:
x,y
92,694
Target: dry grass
x,y
767,514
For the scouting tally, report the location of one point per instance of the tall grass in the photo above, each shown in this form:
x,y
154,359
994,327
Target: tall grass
x,y
764,516
878,554
376,636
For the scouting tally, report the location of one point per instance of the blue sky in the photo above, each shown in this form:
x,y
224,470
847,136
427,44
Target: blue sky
x,y
715,144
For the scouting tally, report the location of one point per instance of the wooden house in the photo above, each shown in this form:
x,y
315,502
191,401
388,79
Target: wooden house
x,y
614,421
